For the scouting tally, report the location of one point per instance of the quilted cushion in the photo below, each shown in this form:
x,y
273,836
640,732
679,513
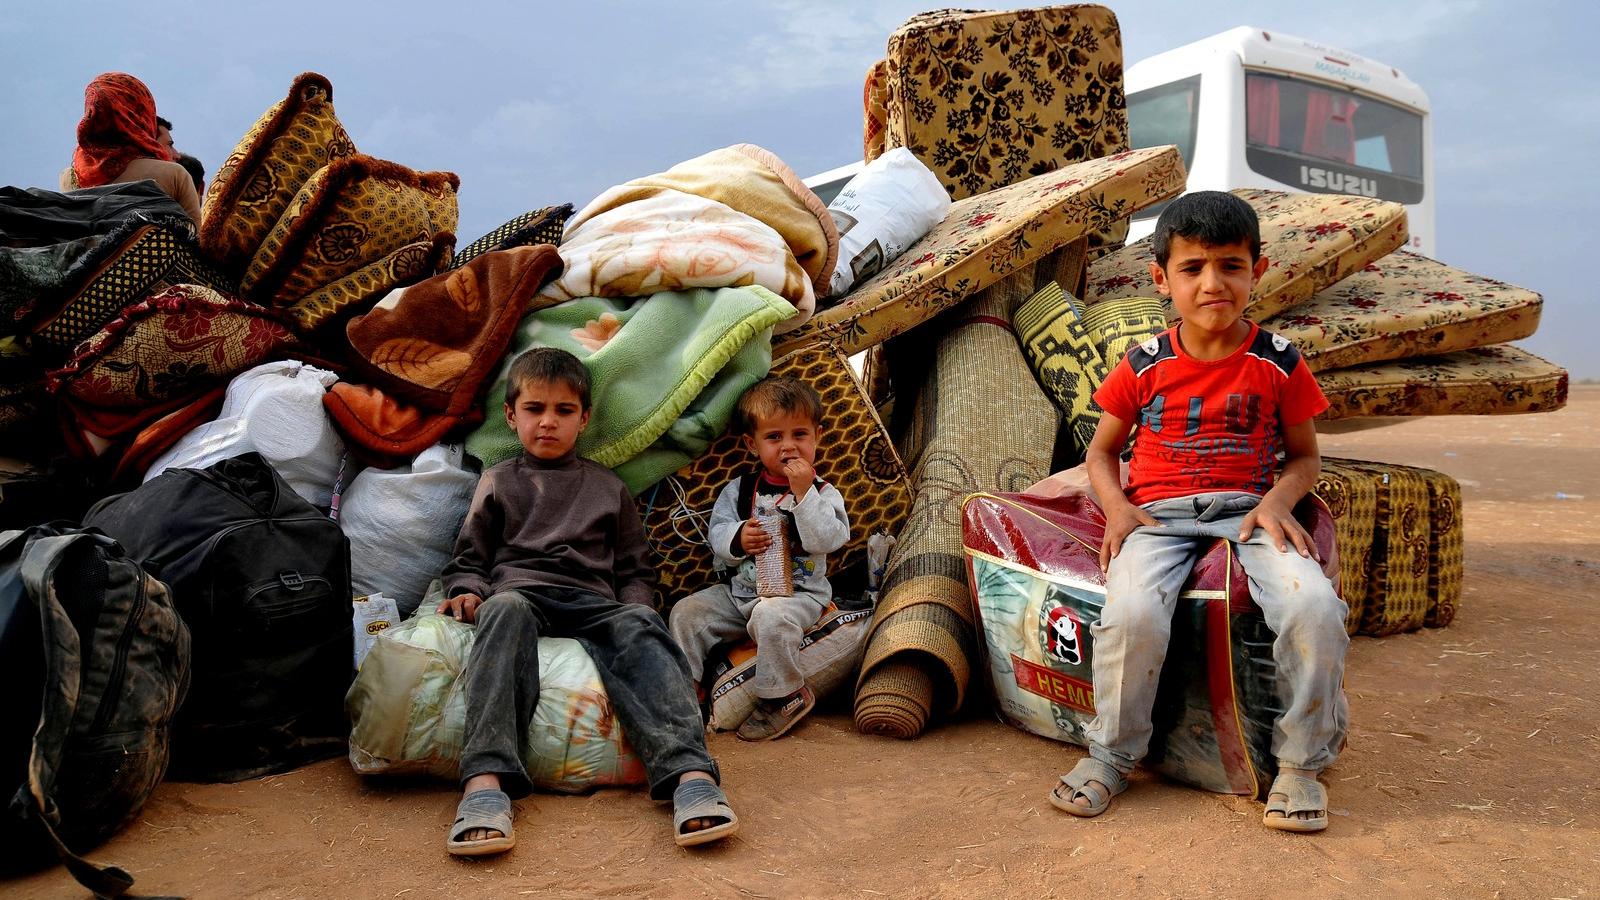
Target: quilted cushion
x,y
854,455
174,345
1311,240
1406,305
984,238
293,139
1382,521
1481,381
987,99
351,213
328,305
540,226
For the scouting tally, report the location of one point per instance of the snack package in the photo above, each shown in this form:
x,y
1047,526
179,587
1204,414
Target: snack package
x,y
372,615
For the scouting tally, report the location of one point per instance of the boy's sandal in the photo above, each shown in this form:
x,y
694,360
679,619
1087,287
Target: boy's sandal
x,y
1077,781
701,798
1304,795
482,809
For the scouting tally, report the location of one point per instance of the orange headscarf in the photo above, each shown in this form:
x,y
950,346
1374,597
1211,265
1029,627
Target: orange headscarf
x,y
118,126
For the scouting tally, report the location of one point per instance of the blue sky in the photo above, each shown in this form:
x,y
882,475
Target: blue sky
x,y
539,103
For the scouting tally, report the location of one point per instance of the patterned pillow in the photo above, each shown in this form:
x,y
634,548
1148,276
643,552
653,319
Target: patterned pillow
x,y
174,345
1119,324
1481,381
541,226
984,238
1406,305
352,212
293,139
987,99
1063,353
1311,240
328,306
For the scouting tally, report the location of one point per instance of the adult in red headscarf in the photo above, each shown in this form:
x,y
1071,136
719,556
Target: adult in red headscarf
x,y
117,142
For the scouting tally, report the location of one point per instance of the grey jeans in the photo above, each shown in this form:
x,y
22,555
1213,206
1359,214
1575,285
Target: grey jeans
x,y
702,620
644,673
1296,598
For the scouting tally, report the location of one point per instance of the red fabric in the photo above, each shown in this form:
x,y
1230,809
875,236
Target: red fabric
x,y
118,127
1261,111
1244,403
384,431
1330,127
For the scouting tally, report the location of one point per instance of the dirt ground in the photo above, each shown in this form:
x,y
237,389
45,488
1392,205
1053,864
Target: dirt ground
x,y
1473,767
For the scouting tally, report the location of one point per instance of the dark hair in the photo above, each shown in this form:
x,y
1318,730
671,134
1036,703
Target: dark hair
x,y
194,167
550,365
773,394
161,122
1212,218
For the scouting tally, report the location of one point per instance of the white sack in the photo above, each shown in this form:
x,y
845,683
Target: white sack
x,y
886,208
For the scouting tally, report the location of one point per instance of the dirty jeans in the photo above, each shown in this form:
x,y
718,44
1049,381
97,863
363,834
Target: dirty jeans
x,y
644,673
1296,598
701,621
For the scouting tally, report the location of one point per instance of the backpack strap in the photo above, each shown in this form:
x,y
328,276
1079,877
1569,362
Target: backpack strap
x,y
747,493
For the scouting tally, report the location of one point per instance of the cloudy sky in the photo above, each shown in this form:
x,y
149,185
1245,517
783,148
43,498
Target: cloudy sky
x,y
537,103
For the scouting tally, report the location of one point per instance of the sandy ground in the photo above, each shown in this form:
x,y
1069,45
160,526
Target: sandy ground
x,y
1473,767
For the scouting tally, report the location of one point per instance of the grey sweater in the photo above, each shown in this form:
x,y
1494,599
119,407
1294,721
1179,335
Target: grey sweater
x,y
820,526
562,523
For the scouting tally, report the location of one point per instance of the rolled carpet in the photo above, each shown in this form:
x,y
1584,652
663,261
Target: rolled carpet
x,y
981,423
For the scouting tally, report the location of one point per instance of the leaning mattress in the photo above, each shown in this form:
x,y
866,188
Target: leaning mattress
x,y
1483,381
1406,305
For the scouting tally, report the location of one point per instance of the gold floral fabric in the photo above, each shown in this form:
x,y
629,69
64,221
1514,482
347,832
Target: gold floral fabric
x,y
330,304
292,140
1388,541
1482,381
854,455
984,238
987,99
1406,305
1312,241
351,213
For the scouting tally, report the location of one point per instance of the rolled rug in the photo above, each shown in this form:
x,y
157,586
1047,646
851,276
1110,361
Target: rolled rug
x,y
981,423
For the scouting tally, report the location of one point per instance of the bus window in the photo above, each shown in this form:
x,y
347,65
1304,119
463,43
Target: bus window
x,y
1163,115
1327,140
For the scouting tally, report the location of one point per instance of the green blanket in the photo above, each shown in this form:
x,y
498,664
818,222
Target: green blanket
x,y
666,372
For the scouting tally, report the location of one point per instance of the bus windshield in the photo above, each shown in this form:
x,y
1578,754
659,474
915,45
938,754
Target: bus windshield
x,y
1328,140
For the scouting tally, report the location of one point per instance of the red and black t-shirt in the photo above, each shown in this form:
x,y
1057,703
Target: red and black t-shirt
x,y
1208,425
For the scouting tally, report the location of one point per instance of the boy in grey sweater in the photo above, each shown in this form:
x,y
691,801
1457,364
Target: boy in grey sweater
x,y
778,418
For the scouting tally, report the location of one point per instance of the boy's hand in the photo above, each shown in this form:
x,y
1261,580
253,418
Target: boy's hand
x,y
1281,525
753,538
462,607
1120,522
801,474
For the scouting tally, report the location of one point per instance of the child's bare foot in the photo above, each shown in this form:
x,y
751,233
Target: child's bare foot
x,y
483,819
701,813
1298,802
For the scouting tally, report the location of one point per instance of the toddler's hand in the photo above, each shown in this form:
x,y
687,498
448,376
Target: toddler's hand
x,y
1120,522
801,475
753,538
462,607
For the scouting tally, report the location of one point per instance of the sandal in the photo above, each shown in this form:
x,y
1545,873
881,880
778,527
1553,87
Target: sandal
x,y
1305,795
482,809
1088,769
701,798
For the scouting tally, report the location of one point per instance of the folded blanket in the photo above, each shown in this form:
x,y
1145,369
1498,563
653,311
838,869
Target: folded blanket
x,y
674,241
750,180
649,359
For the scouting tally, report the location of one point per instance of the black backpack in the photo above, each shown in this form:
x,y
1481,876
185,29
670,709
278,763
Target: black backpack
x,y
263,581
95,662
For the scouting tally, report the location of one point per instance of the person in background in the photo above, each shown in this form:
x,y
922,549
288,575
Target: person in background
x,y
196,170
164,133
118,142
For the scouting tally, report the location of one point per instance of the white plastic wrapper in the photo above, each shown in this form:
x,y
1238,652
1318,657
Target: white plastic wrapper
x,y
886,208
372,615
879,546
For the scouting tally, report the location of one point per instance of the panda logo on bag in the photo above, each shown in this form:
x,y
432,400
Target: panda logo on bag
x,y
1062,633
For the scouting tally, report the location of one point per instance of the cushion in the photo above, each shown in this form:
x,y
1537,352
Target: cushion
x,y
325,308
984,238
175,345
1063,353
293,139
987,99
149,259
1119,324
853,454
1482,381
875,112
1383,523
1311,240
1406,305
540,226
352,212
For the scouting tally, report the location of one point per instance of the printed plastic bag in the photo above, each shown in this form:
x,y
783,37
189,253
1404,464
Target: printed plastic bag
x,y
371,616
886,208
830,651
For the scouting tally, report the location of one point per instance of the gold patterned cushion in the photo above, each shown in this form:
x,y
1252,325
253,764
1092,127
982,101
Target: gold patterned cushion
x,y
1062,352
1120,324
1406,305
1311,240
853,454
332,303
351,213
984,238
987,99
1382,520
1481,381
874,100
293,139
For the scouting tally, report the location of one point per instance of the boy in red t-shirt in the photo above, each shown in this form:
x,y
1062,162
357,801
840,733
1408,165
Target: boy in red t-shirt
x,y
1216,399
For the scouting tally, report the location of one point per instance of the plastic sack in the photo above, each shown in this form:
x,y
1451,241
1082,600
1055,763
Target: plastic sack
x,y
371,615
402,523
885,208
275,410
830,651
408,710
